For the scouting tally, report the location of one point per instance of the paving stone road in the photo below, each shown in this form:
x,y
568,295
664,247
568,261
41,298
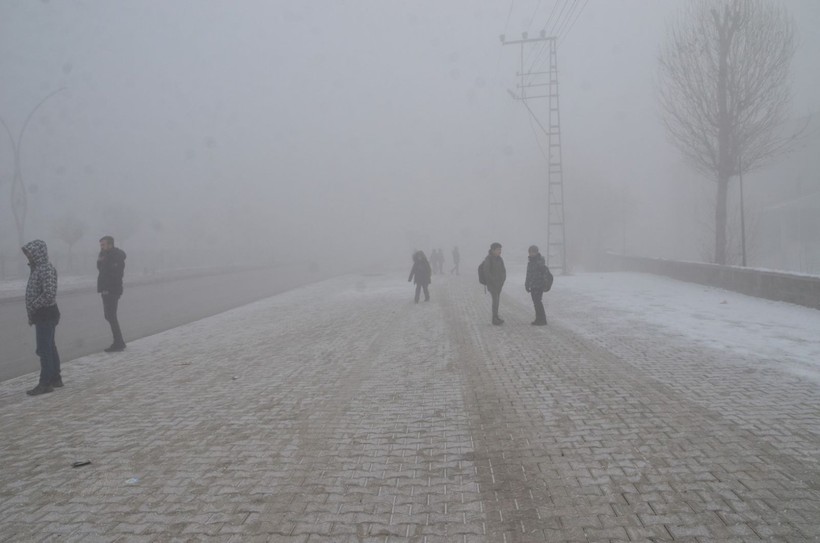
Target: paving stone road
x,y
344,412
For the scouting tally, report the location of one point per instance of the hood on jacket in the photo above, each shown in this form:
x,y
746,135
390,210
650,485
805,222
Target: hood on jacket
x,y
37,250
419,256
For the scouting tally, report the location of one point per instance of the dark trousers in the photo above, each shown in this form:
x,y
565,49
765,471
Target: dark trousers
x,y
110,302
418,292
496,294
47,351
537,295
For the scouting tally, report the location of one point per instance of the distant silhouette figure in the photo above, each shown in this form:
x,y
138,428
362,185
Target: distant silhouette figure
x,y
441,261
456,260
421,272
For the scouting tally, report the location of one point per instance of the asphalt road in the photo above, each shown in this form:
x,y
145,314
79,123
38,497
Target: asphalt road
x,y
144,309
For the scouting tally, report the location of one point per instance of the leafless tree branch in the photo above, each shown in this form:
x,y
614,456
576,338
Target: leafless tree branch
x,y
724,90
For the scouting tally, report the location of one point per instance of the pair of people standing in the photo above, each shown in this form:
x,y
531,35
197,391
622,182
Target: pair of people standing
x,y
44,314
493,274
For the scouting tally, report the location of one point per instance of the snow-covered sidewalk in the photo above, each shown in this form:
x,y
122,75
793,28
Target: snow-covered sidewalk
x,y
645,306
342,411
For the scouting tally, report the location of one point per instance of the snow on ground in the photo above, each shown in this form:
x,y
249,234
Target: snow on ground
x,y
786,333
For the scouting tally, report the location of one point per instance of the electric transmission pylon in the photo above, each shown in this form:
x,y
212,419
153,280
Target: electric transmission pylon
x,y
556,226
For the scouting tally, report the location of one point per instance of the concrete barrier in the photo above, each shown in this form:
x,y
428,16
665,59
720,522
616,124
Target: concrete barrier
x,y
773,285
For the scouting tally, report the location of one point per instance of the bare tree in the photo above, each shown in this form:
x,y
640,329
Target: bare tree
x,y
724,90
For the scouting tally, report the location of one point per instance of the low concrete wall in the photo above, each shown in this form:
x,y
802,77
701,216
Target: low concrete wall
x,y
773,285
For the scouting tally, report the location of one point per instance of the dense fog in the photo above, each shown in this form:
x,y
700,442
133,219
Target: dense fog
x,y
349,133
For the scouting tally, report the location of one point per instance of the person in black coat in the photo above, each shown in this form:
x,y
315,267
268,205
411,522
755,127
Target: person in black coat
x,y
538,281
111,265
421,271
495,274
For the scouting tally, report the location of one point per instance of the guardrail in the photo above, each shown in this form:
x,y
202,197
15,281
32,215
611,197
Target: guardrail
x,y
773,285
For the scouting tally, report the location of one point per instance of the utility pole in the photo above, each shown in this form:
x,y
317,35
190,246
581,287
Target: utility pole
x,y
556,226
742,215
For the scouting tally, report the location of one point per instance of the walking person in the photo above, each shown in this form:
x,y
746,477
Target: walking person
x,y
421,272
538,281
111,265
495,274
434,261
43,313
456,260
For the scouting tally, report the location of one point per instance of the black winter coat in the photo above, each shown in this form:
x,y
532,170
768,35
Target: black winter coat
x,y
495,272
111,265
421,271
539,276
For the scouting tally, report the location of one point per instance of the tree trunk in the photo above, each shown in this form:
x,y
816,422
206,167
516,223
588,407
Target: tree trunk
x,y
724,24
720,220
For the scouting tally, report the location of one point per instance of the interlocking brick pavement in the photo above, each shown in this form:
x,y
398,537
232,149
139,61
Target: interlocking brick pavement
x,y
344,412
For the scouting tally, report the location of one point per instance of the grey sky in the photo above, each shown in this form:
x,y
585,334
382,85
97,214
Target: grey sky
x,y
367,127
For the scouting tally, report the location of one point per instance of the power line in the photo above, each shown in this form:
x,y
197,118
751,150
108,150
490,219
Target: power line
x,y
558,19
509,14
577,16
538,141
552,12
533,15
566,20
538,56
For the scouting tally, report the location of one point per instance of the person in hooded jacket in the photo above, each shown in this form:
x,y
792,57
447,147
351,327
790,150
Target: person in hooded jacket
x,y
422,273
111,265
43,314
538,281
495,274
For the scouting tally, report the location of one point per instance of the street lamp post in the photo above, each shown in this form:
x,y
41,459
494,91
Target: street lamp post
x,y
19,203
742,217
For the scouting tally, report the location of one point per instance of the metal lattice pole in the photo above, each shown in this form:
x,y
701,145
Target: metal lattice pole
x,y
556,226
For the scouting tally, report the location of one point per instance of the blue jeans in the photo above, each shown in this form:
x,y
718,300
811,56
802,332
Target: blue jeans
x,y
47,351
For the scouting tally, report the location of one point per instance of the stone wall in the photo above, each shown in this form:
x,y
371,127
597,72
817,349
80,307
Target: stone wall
x,y
773,285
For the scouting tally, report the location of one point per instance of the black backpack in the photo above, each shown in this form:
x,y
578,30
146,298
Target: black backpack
x,y
482,278
548,278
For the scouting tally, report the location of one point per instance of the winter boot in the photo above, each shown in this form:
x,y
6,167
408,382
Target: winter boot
x,y
40,389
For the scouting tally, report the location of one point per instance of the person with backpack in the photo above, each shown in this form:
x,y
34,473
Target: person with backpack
x,y
492,273
538,281
421,271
